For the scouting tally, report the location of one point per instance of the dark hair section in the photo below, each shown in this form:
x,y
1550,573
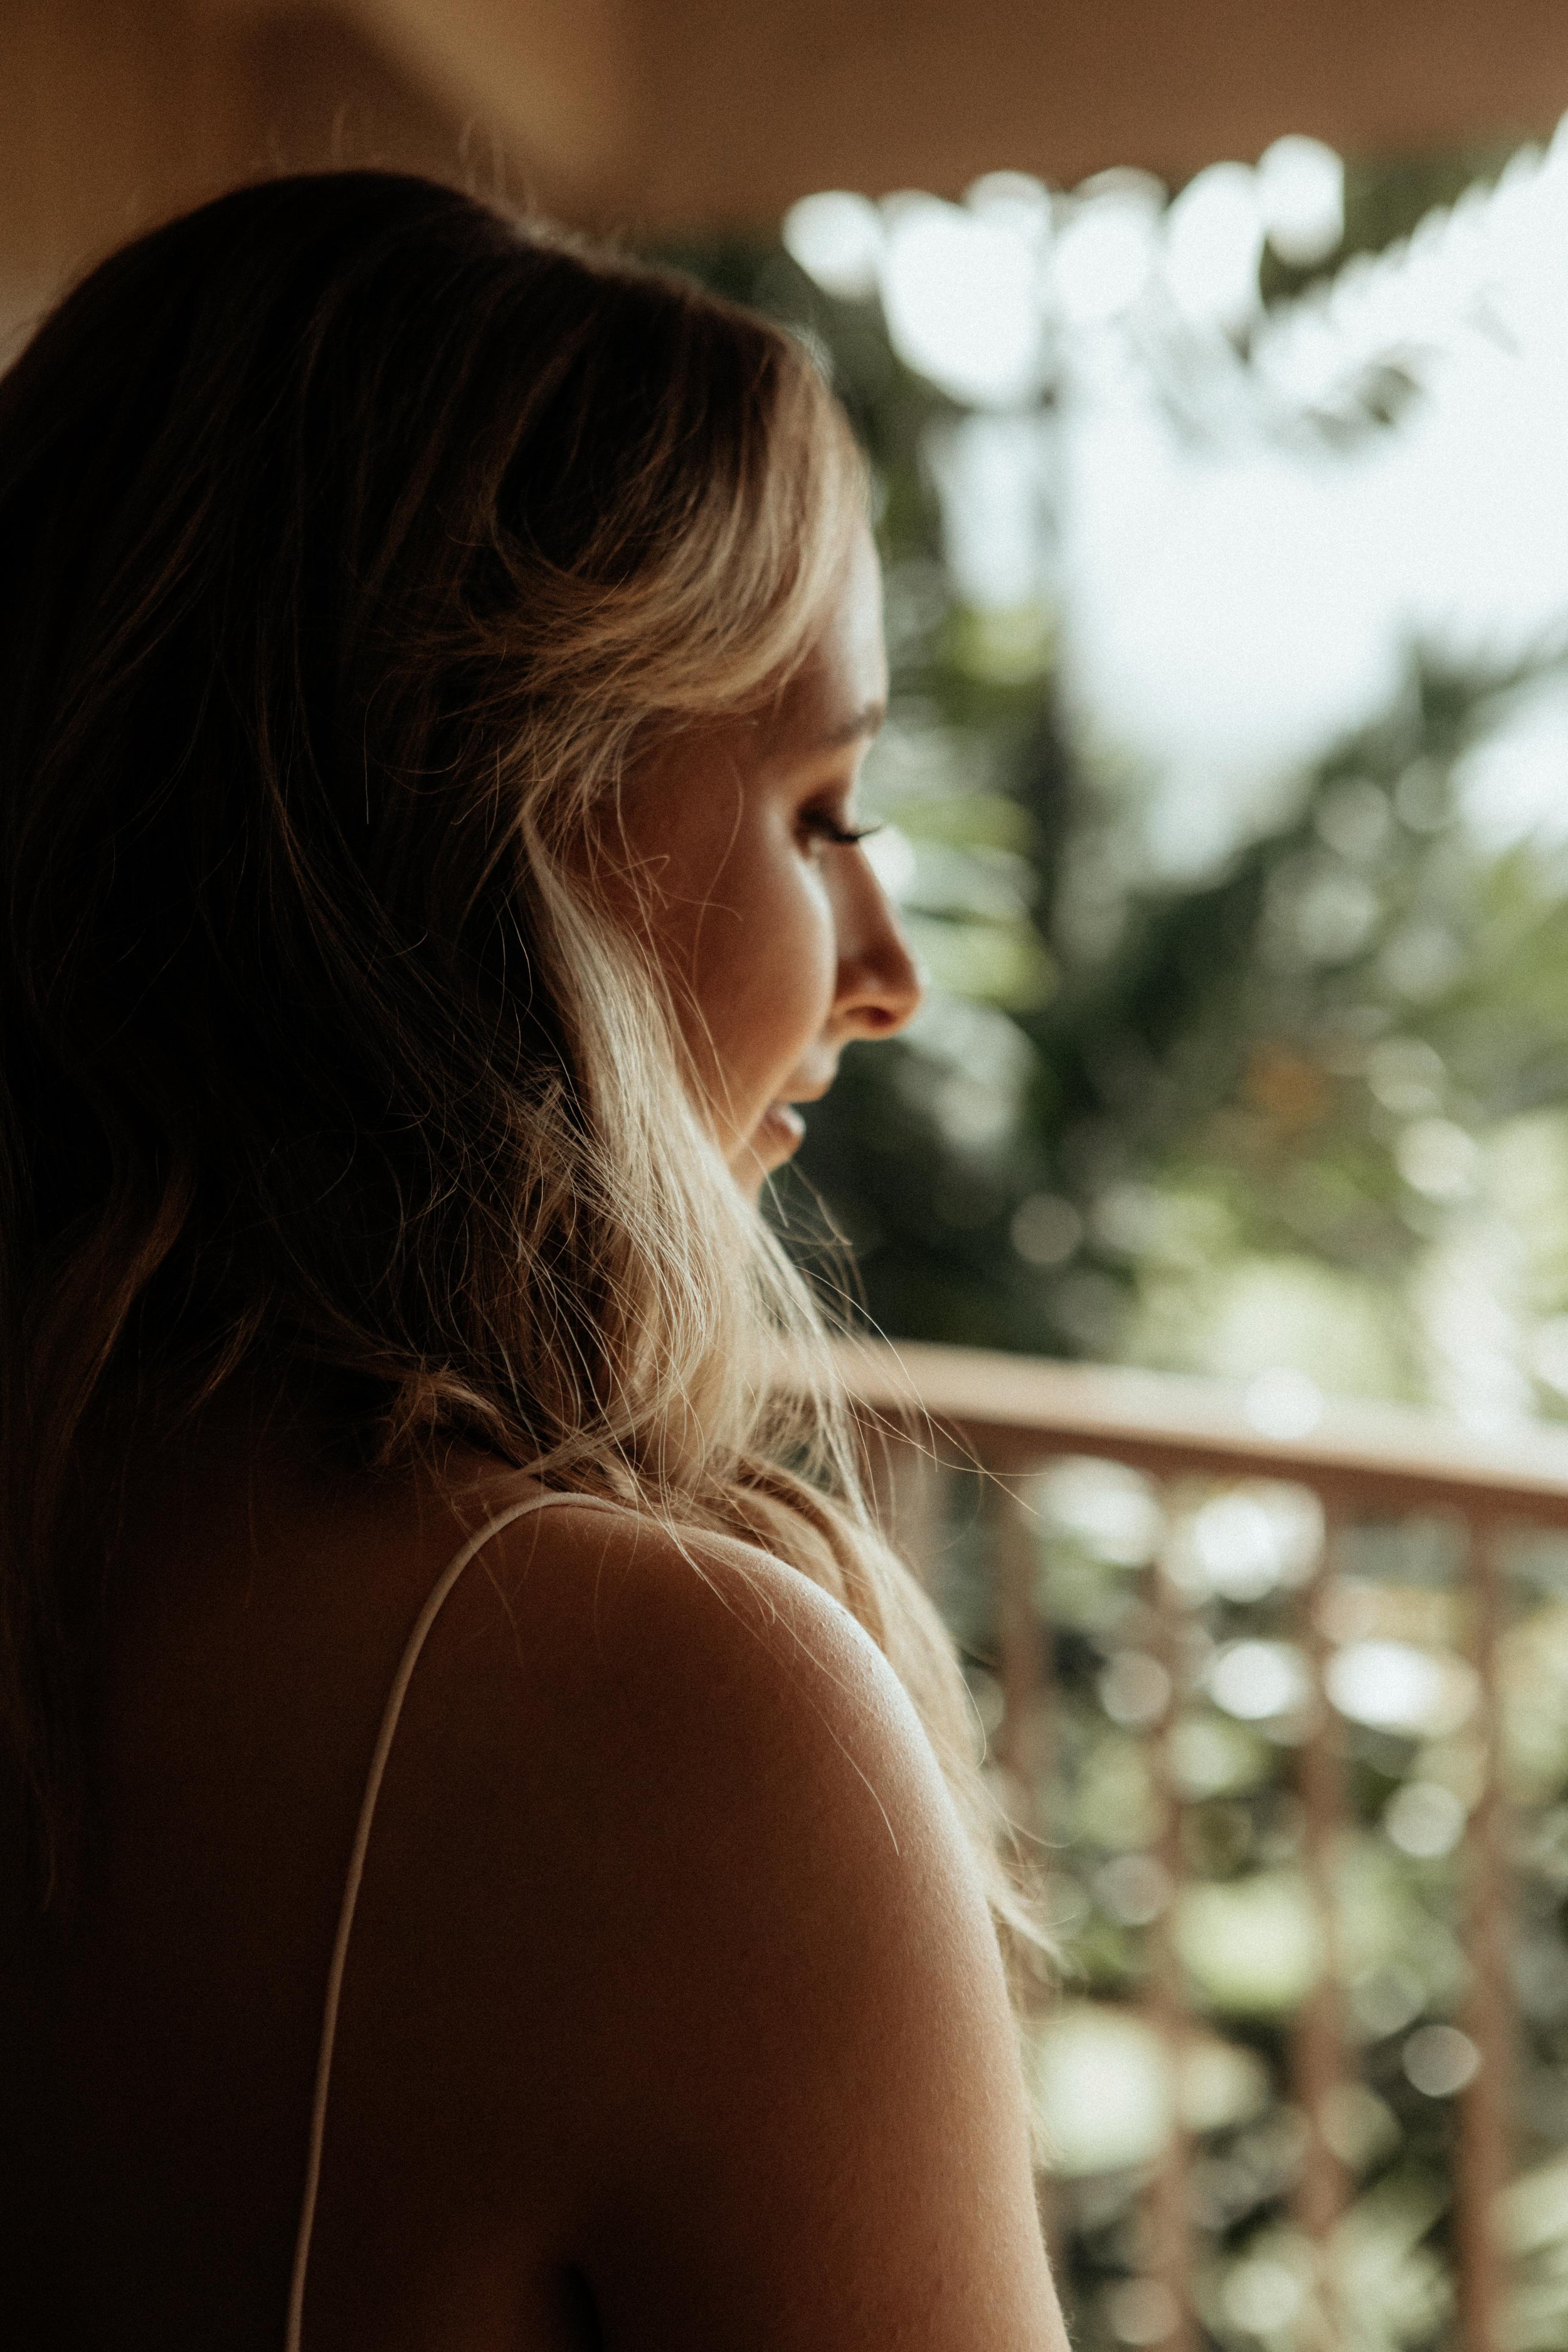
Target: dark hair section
x,y
294,495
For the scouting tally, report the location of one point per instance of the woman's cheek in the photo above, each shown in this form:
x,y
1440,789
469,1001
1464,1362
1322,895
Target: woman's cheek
x,y
770,971
808,966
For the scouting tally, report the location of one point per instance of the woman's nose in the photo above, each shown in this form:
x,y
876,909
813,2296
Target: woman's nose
x,y
880,985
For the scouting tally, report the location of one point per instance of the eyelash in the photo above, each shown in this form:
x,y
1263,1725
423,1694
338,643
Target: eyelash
x,y
820,826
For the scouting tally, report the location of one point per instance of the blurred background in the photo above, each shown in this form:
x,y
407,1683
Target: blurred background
x,y
1212,365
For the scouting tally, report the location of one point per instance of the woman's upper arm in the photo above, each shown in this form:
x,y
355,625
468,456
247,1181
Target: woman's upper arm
x,y
818,2135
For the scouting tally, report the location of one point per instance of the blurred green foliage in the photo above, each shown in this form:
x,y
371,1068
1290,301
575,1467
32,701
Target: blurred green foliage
x,y
1247,1941
1287,1109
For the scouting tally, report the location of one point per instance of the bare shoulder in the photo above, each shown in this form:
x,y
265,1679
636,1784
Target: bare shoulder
x,y
794,2087
729,1729
694,1653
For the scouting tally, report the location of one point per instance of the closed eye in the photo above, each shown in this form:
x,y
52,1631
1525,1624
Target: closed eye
x,y
817,824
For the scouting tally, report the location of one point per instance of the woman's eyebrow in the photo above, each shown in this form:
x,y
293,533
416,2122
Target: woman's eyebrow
x,y
865,723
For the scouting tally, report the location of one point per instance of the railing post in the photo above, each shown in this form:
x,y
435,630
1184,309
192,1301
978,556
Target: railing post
x,y
1023,1740
1024,1736
903,1475
1483,2152
1165,2000
1316,2060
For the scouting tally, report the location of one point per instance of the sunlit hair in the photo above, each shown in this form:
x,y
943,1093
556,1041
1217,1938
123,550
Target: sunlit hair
x,y
352,540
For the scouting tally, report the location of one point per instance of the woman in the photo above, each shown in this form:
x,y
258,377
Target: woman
x,y
437,663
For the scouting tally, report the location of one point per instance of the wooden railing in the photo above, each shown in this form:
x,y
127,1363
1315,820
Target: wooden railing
x,y
941,1423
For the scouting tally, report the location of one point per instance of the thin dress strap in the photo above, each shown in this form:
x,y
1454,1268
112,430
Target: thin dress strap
x,y
383,1750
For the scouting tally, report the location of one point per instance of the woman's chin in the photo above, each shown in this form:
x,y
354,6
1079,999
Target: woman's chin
x,y
777,1138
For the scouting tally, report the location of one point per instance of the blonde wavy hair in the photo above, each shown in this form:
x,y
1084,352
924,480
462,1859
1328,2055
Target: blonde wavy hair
x,y
353,539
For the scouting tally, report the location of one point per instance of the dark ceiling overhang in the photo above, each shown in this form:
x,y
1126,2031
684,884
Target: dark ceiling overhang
x,y
662,117
673,113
